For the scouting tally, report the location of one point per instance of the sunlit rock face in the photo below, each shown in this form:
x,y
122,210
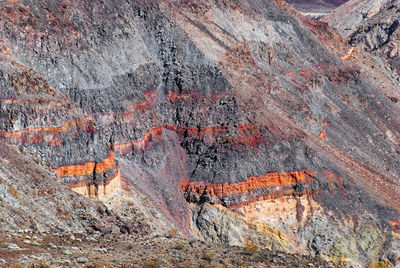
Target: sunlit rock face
x,y
238,104
373,26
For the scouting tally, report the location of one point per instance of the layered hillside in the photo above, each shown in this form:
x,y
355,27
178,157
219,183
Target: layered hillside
x,y
226,115
31,198
373,26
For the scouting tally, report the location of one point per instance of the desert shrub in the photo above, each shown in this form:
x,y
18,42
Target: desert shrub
x,y
179,245
171,233
93,265
250,248
207,256
130,246
151,263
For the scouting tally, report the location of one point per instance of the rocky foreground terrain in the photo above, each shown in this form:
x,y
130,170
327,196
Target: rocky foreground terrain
x,y
198,133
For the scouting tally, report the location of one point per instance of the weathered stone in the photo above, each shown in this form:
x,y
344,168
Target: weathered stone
x,y
82,260
52,246
67,252
12,246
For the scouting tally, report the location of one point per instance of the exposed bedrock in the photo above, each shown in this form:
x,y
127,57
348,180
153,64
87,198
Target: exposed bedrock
x,y
372,25
233,103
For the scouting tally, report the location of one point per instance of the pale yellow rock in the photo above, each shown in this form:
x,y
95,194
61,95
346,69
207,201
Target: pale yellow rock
x,y
100,191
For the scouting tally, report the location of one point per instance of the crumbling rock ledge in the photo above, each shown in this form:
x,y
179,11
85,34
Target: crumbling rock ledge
x,y
268,186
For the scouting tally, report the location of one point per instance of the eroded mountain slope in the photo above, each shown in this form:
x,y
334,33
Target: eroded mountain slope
x,y
32,198
234,103
373,26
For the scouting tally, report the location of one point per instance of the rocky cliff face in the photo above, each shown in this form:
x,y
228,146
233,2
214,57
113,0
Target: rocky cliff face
x,y
31,198
371,25
237,103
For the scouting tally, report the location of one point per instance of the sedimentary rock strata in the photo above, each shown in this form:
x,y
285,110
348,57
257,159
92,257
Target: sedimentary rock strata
x,y
371,25
268,186
193,102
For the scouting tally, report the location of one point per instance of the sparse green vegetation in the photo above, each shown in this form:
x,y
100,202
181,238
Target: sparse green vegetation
x,y
171,233
130,246
207,256
179,245
151,263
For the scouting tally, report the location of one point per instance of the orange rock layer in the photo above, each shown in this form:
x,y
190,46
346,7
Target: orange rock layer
x,y
87,168
50,135
249,135
140,145
348,54
276,185
252,183
395,225
322,135
92,188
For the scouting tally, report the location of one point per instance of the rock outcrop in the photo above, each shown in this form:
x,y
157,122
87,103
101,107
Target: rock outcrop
x,y
371,25
269,186
235,103
32,198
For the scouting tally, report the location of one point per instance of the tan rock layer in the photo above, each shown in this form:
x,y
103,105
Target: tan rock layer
x,y
98,189
87,168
